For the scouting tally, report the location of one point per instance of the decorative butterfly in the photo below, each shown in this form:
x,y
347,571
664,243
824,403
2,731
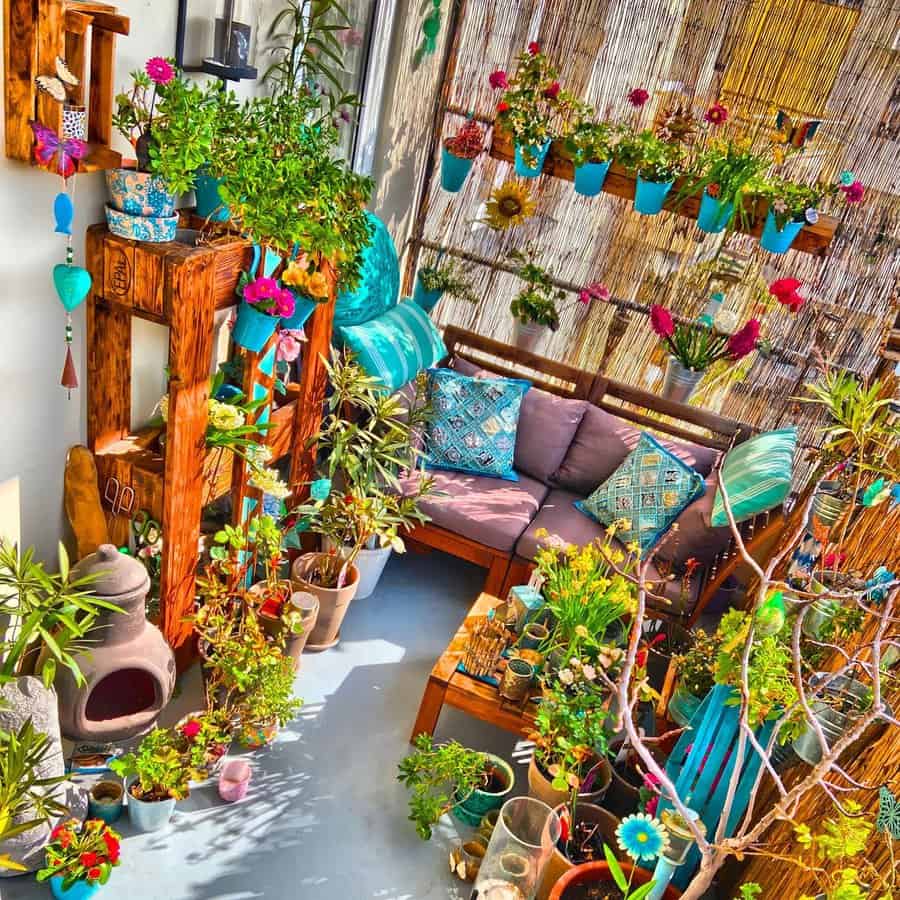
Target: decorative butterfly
x,y
48,146
888,818
795,133
57,85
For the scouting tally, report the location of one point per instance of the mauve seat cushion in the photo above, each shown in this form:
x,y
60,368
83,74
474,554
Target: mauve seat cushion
x,y
601,444
490,511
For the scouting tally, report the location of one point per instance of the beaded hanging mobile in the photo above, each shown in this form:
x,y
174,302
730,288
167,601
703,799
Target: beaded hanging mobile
x,y
58,154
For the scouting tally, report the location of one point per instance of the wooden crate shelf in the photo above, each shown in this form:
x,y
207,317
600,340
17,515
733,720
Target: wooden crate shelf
x,y
812,238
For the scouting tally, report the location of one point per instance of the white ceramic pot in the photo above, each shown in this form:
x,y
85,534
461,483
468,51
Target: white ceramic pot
x,y
370,563
528,336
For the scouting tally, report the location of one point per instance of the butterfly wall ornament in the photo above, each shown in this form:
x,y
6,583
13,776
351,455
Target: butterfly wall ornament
x,y
57,86
52,152
796,134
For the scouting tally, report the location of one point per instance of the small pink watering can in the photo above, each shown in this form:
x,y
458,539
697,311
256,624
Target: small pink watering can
x,y
234,780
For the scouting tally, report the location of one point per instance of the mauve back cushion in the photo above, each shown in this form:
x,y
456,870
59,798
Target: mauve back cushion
x,y
695,536
601,444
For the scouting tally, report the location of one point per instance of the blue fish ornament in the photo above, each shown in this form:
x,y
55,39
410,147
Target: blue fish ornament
x,y
64,212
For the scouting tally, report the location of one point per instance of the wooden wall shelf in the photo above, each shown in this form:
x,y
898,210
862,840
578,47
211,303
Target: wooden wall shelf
x,y
812,239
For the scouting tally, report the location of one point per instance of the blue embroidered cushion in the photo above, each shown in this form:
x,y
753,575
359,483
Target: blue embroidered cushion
x,y
474,423
650,489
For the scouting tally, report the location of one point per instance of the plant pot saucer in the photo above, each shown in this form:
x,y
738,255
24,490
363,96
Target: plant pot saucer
x,y
318,648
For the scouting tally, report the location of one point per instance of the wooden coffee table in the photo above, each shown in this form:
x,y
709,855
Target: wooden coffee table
x,y
448,686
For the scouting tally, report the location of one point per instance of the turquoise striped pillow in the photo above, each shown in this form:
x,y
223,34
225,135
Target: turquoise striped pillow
x,y
395,346
757,475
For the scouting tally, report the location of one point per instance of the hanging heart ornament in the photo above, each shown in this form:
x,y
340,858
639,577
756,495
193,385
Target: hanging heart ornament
x,y
72,283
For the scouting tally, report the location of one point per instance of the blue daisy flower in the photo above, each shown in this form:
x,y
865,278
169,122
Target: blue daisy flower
x,y
642,837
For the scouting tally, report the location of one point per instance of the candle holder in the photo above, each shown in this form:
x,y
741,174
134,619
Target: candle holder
x,y
487,641
517,680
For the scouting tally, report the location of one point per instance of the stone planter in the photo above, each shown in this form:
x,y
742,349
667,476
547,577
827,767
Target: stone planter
x,y
333,602
528,335
540,788
472,809
679,382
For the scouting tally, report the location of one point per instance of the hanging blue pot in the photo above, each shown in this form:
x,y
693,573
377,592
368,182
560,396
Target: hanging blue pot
x,y
454,170
589,178
80,890
426,300
303,309
649,196
713,215
253,328
209,201
537,153
776,241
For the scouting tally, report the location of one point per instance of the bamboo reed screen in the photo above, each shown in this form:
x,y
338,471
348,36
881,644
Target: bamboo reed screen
x,y
838,61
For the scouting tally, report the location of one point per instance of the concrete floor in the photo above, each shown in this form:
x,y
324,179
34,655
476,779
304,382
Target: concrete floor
x,y
325,818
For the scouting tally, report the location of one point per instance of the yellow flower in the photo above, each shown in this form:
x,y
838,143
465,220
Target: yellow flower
x,y
509,205
542,533
582,632
296,276
317,286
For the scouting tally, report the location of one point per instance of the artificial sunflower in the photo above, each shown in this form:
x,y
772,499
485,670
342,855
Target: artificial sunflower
x,y
509,205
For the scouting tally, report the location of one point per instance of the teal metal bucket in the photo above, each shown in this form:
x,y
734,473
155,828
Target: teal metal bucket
x,y
538,154
454,171
649,196
303,309
589,178
776,241
253,328
713,215
426,300
209,201
80,890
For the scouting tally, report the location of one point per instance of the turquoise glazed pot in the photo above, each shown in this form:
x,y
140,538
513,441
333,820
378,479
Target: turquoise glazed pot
x,y
253,328
139,193
589,178
776,241
303,309
649,196
209,202
713,215
141,228
454,171
473,808
682,707
427,300
106,801
538,154
81,890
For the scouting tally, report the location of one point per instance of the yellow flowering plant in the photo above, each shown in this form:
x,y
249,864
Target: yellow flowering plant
x,y
304,274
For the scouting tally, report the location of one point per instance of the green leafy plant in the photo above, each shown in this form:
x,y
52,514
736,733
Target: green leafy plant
x,y
791,202
536,302
649,156
623,883
591,142
203,739
447,277
696,667
439,777
161,768
81,852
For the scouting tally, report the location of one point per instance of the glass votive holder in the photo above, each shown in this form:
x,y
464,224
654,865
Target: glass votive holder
x,y
516,680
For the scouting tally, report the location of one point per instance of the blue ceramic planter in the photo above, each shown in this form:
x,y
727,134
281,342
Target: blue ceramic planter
x,y
81,890
589,178
139,193
454,171
472,809
538,154
253,328
106,801
713,215
151,229
209,202
776,241
303,309
427,300
146,816
649,196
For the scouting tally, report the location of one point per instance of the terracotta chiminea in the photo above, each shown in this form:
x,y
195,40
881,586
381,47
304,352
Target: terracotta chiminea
x,y
128,667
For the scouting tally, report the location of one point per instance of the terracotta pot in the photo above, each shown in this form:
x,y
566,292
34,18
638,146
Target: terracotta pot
x,y
333,602
540,788
273,625
597,873
559,864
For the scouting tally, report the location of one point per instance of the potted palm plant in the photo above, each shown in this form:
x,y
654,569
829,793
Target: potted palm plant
x,y
534,307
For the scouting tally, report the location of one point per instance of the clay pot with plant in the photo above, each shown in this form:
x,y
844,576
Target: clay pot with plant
x,y
205,737
609,880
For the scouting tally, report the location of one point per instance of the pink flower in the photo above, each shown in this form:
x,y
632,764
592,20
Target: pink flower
x,y
260,290
744,341
661,321
288,348
638,97
497,80
717,114
596,290
284,303
351,37
551,92
651,805
160,70
534,48
786,292
854,192
191,729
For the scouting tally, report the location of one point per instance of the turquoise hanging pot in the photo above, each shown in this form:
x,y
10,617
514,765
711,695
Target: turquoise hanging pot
x,y
72,284
426,300
454,171
303,309
253,328
775,240
713,215
589,178
536,153
649,196
209,201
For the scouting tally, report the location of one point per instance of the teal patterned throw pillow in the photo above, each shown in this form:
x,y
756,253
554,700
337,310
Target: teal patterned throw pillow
x,y
474,423
650,489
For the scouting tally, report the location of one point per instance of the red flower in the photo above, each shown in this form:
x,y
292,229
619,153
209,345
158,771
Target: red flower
x,y
552,90
88,859
94,874
112,846
713,189
191,729
854,192
716,114
785,291
534,48
661,321
833,560
744,341
497,80
502,106
640,658
638,97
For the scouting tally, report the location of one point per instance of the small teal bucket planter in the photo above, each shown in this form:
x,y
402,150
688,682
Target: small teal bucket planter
x,y
649,196
253,328
454,171
776,241
303,309
537,153
713,215
81,890
479,803
589,178
426,300
209,201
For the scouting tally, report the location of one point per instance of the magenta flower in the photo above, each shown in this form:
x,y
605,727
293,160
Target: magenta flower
x,y
717,114
853,192
638,97
744,341
551,92
497,80
190,729
661,321
160,70
284,303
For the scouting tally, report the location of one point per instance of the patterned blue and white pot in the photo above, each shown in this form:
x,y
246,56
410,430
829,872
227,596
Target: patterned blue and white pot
x,y
141,228
139,193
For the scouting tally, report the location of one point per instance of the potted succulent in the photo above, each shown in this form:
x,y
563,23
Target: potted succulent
x,y
264,302
80,858
435,280
159,774
591,146
459,153
695,673
534,307
268,700
451,778
204,738
655,162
